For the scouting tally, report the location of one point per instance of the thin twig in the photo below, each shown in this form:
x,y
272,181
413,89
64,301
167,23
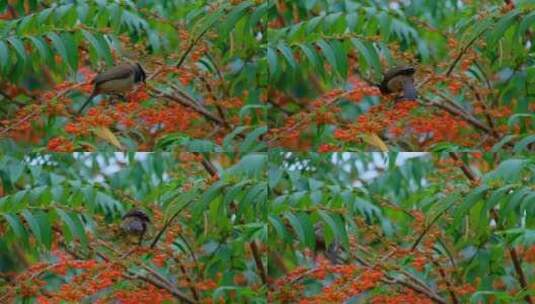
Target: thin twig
x,y
187,103
166,225
258,262
463,51
428,228
486,110
209,167
193,289
470,174
442,273
190,47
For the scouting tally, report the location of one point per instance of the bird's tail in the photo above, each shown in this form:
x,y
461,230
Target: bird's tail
x,y
86,103
409,91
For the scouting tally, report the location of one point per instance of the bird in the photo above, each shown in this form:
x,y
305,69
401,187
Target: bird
x,y
332,251
135,222
117,80
399,79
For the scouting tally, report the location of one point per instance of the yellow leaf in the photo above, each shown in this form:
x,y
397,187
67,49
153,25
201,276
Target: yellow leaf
x,y
373,140
106,134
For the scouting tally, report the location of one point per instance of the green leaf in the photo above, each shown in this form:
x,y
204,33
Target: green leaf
x,y
104,46
15,170
502,25
273,62
72,50
260,11
336,227
524,143
471,199
528,20
4,56
274,176
154,40
60,47
368,52
17,227
245,110
209,20
95,44
256,195
181,201
310,53
276,222
328,52
341,58
498,146
288,54
232,18
515,118
209,195
495,197
515,201
508,170
33,224
74,225
253,164
233,192
303,228
228,141
252,142
44,52
19,48
386,25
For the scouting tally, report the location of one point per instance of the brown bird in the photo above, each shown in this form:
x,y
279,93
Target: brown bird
x,y
135,222
399,80
332,251
116,81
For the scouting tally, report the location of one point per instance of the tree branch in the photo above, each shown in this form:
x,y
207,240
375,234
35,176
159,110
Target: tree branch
x,y
416,287
474,122
188,104
494,214
463,51
258,262
190,47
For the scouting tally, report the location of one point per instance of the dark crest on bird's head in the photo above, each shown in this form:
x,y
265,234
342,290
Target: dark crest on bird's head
x,y
137,213
402,70
140,74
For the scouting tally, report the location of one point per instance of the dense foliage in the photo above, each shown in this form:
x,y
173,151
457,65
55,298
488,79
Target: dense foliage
x,y
202,58
474,65
61,241
375,228
263,185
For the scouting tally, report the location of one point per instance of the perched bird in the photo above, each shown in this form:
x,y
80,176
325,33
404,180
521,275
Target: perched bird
x,y
398,80
135,222
116,81
332,251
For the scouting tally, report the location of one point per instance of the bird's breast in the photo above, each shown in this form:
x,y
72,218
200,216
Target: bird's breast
x,y
396,84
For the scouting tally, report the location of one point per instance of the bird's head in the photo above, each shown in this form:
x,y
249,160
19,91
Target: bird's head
x,y
135,221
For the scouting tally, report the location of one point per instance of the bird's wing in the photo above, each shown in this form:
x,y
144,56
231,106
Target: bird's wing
x,y
119,72
399,71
